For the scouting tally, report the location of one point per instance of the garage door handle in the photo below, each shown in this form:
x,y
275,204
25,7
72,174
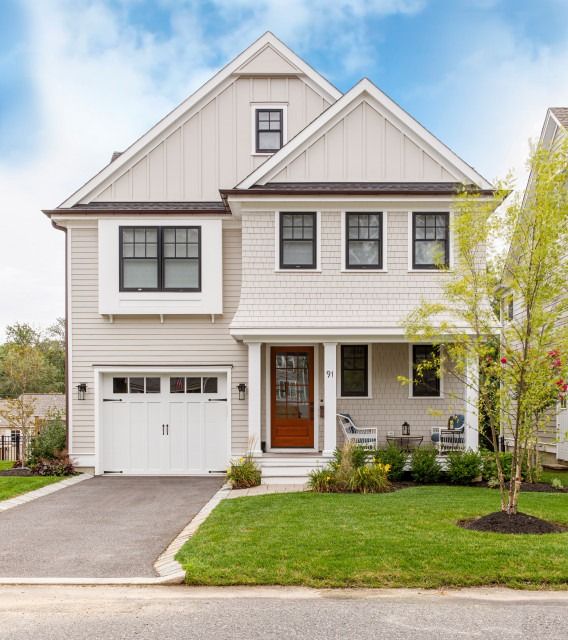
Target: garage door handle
x,y
217,399
112,399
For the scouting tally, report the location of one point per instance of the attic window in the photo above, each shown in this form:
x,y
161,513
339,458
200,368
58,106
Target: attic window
x,y
269,130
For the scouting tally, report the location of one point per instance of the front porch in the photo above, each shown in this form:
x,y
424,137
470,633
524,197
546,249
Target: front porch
x,y
296,389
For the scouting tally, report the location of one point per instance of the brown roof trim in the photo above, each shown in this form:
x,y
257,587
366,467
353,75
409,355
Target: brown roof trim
x,y
133,212
143,208
356,189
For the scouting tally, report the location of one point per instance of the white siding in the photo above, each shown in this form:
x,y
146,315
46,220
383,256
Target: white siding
x,y
330,298
363,145
210,147
179,341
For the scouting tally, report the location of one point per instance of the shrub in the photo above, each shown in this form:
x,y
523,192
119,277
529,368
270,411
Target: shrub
x,y
556,483
425,468
50,441
321,480
371,478
489,467
349,471
463,467
244,473
393,456
60,464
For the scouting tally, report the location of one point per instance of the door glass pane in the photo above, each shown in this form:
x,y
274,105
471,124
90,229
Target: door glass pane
x,y
136,385
140,274
193,385
177,385
152,385
181,274
120,385
209,385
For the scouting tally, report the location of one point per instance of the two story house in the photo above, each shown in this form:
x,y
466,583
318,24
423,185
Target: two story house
x,y
240,274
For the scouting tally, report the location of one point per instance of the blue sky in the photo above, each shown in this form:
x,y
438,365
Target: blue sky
x,y
81,78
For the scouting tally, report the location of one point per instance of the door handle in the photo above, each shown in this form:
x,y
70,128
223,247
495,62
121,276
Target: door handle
x,y
217,400
112,399
167,429
163,432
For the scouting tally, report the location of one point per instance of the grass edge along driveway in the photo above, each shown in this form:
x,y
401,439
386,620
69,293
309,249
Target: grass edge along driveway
x,y
403,539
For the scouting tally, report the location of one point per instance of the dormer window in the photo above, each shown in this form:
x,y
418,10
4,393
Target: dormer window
x,y
269,130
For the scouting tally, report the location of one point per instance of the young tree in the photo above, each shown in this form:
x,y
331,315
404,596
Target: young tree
x,y
517,389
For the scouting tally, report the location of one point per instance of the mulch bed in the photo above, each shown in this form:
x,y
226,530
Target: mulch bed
x,y
500,522
17,471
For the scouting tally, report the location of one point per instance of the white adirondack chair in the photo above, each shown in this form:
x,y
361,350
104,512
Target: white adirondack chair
x,y
365,437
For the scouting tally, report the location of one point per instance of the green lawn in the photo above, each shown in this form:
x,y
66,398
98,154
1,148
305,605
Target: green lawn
x,y
403,539
11,486
549,474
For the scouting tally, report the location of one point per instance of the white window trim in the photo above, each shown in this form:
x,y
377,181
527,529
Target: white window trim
x,y
277,242
254,107
411,373
369,395
410,241
384,228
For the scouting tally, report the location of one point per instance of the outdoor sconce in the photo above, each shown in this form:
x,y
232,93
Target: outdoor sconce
x,y
242,389
81,390
405,429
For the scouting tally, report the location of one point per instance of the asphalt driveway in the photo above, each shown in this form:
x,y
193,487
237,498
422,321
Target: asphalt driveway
x,y
107,527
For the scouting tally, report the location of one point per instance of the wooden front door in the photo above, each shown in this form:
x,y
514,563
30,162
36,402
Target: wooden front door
x,y
292,397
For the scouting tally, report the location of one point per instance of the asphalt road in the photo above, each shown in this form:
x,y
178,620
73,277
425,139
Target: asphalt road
x,y
180,612
102,527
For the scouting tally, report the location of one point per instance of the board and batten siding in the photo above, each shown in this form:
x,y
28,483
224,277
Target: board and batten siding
x,y
211,147
179,341
330,297
364,145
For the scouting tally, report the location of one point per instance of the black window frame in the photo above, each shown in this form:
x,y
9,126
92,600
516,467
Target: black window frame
x,y
354,394
257,130
379,240
160,257
434,266
420,389
293,267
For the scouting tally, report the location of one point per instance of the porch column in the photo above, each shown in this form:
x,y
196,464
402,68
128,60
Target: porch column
x,y
472,404
254,398
329,397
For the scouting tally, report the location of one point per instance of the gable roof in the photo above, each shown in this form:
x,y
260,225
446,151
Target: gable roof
x,y
560,115
443,154
267,48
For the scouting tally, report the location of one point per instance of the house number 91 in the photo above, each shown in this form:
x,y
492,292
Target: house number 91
x,y
329,373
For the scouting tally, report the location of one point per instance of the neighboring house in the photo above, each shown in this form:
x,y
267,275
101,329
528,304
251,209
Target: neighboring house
x,y
240,274
552,441
44,405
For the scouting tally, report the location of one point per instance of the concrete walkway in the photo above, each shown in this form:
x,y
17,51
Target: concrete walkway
x,y
103,527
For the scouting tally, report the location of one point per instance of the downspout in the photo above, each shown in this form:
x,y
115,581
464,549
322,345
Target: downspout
x,y
67,364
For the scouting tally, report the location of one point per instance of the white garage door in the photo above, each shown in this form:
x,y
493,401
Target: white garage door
x,y
162,424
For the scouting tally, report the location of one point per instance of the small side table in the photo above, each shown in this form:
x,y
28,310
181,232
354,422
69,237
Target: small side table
x,y
406,443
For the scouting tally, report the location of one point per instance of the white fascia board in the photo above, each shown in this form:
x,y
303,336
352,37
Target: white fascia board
x,y
337,334
365,85
221,76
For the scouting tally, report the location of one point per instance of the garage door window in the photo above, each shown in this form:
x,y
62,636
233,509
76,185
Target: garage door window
x,y
209,385
177,385
136,384
193,385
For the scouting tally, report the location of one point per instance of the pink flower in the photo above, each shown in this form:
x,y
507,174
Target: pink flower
x,y
503,360
557,363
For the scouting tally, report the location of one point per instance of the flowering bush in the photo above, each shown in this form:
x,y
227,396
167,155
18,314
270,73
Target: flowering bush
x,y
350,472
244,473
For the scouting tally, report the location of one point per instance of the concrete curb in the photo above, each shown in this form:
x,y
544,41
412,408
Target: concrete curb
x,y
166,566
44,491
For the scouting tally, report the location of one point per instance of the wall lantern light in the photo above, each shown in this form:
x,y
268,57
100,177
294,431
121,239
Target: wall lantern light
x,y
242,389
81,390
405,429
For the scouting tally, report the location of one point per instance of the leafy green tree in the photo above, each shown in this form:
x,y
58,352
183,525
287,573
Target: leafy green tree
x,y
517,389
